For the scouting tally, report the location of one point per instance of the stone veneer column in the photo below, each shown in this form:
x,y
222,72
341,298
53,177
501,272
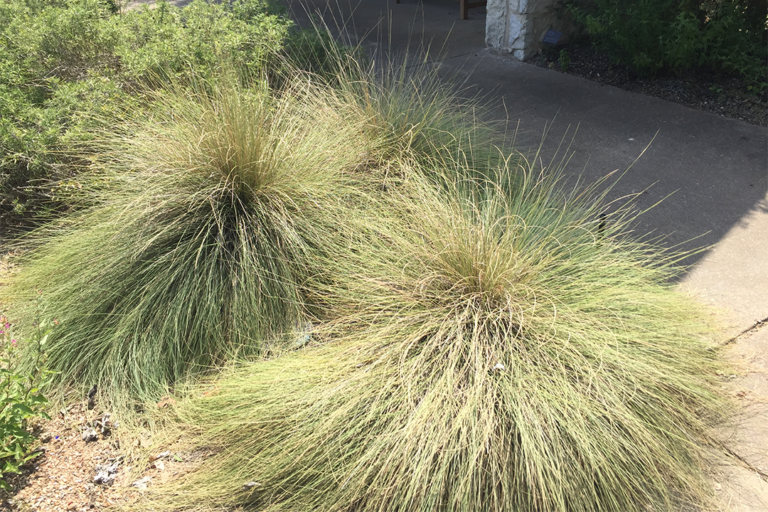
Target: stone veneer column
x,y
518,26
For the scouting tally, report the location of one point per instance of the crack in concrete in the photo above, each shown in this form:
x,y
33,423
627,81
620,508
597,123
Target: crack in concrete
x,y
721,445
741,460
752,328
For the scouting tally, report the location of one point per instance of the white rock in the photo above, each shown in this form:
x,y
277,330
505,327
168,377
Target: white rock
x,y
142,483
90,435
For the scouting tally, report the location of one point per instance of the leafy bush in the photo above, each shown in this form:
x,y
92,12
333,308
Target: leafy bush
x,y
21,399
199,36
489,351
656,35
68,67
211,210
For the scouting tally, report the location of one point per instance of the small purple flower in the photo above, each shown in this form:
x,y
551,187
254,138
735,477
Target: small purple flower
x,y
13,342
7,325
2,331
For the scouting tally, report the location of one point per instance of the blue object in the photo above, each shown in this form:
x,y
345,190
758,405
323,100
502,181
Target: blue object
x,y
552,37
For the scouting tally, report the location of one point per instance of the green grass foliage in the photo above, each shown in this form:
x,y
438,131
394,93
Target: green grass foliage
x,y
209,214
413,109
208,211
418,113
492,349
447,327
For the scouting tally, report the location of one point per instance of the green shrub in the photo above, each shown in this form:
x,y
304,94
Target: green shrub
x,y
21,399
211,211
495,352
45,49
199,36
68,67
660,35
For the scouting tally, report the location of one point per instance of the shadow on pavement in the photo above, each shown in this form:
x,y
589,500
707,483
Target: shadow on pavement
x,y
703,177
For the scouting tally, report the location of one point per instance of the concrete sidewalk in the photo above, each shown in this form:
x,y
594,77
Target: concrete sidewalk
x,y
711,173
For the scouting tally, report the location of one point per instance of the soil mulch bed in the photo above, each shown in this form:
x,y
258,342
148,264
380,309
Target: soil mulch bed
x,y
68,476
724,95
61,478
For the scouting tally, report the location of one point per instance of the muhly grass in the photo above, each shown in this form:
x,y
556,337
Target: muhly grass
x,y
491,350
411,108
210,214
419,114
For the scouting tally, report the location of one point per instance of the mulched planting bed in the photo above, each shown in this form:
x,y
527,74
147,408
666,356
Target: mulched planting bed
x,y
61,478
75,475
721,94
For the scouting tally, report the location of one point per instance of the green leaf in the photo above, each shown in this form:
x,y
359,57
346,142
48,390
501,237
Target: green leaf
x,y
23,408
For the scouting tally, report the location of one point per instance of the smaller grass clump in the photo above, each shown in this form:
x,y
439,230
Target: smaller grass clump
x,y
493,349
411,109
209,213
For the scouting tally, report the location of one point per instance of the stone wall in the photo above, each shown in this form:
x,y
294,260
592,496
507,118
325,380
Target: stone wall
x,y
518,26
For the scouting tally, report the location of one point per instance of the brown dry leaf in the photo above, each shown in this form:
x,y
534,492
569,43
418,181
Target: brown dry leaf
x,y
165,402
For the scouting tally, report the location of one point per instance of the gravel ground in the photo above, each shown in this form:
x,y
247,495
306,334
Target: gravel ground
x,y
723,95
68,475
61,479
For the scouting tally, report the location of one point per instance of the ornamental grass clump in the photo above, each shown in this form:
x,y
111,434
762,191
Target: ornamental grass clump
x,y
209,214
411,109
416,113
491,351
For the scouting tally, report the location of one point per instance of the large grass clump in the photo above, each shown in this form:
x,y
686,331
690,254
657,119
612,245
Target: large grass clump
x,y
493,349
210,213
418,113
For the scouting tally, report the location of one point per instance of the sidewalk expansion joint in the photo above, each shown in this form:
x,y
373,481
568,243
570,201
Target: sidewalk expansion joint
x,y
752,328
